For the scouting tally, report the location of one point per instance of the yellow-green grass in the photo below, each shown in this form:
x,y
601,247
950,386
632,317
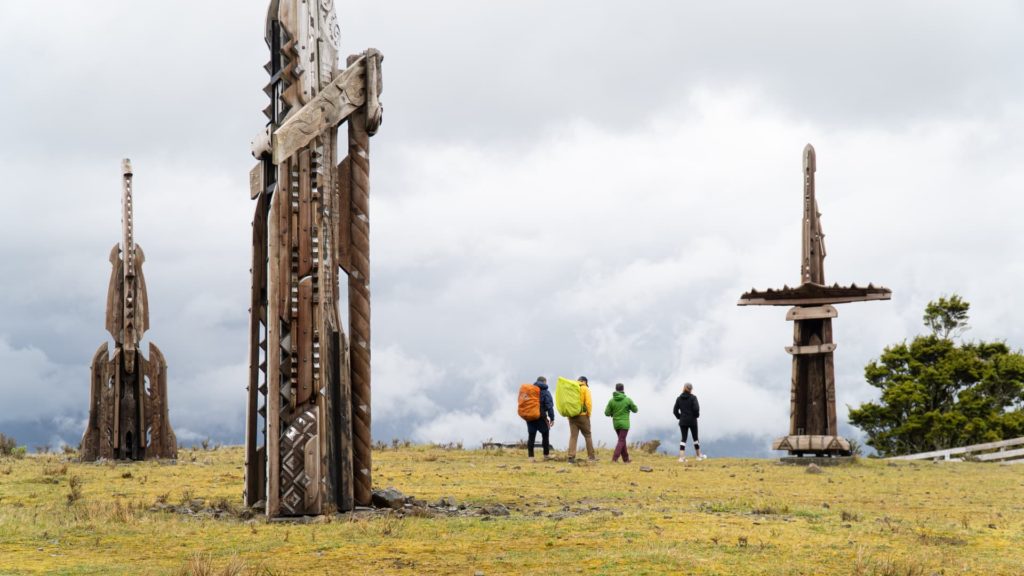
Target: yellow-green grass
x,y
718,516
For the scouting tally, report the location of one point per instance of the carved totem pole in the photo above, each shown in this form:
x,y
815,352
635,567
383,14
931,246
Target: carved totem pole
x,y
812,419
309,391
128,394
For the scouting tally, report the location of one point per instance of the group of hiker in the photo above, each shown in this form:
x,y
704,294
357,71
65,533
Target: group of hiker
x,y
574,401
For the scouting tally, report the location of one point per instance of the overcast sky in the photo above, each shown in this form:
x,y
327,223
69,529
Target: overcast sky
x,y
559,188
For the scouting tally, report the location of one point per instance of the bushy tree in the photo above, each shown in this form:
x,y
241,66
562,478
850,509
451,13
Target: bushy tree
x,y
937,393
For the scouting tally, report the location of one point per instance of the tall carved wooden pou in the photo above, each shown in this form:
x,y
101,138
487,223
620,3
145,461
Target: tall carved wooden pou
x,y
309,390
812,425
128,392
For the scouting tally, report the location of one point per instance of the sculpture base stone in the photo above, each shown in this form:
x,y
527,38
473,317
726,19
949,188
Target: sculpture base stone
x,y
818,460
821,446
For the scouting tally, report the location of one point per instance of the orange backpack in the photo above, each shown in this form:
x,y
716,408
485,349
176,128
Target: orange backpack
x,y
529,402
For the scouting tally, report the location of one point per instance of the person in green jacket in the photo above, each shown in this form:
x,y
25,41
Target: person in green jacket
x,y
619,408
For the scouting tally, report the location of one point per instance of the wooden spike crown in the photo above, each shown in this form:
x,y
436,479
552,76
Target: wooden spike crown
x,y
813,426
308,413
128,416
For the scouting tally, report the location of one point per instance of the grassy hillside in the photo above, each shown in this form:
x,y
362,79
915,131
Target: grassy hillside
x,y
723,516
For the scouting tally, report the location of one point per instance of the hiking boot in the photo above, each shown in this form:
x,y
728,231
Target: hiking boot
x,y
571,460
532,460
548,458
591,459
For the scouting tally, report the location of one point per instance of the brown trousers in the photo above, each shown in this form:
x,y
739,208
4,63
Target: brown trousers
x,y
579,424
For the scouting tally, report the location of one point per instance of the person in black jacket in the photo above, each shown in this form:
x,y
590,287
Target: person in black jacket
x,y
544,423
687,410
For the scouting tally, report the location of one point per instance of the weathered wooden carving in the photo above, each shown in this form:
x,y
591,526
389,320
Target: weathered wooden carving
x,y
309,389
812,424
128,392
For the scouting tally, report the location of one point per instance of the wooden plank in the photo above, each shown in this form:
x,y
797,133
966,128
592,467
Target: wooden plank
x,y
817,421
795,411
961,450
277,245
811,312
312,468
330,107
305,342
118,362
257,285
114,318
256,182
305,216
1001,455
830,379
141,371
812,349
811,301
282,198
343,230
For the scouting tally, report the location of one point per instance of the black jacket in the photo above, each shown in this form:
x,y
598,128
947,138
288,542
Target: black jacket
x,y
687,409
547,404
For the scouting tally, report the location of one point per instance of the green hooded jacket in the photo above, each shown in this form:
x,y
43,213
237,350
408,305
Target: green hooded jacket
x,y
619,408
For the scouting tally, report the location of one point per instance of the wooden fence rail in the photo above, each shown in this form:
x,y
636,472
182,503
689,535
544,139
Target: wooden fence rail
x,y
988,452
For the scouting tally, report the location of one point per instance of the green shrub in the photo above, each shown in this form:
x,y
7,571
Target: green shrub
x,y
7,445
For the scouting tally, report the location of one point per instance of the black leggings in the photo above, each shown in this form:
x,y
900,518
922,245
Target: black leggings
x,y
691,428
538,425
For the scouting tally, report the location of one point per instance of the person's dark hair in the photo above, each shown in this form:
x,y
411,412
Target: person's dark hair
x,y
583,379
542,379
619,387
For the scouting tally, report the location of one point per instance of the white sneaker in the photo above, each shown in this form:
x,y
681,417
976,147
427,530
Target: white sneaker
x,y
682,458
702,457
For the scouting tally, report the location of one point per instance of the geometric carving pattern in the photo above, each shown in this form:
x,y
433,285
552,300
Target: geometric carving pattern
x,y
294,480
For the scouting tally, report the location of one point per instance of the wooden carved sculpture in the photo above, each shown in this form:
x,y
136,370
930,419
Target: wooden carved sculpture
x,y
128,395
309,390
812,424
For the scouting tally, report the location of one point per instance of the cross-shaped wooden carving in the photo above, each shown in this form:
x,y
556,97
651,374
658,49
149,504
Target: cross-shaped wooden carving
x,y
812,419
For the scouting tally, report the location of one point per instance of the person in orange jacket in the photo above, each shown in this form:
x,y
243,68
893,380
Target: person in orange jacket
x,y
581,423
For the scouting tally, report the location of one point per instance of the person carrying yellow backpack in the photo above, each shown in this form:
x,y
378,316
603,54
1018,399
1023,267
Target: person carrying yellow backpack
x,y
581,423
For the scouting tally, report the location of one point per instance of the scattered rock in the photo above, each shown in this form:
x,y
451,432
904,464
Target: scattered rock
x,y
616,512
646,469
813,469
388,498
495,510
561,471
